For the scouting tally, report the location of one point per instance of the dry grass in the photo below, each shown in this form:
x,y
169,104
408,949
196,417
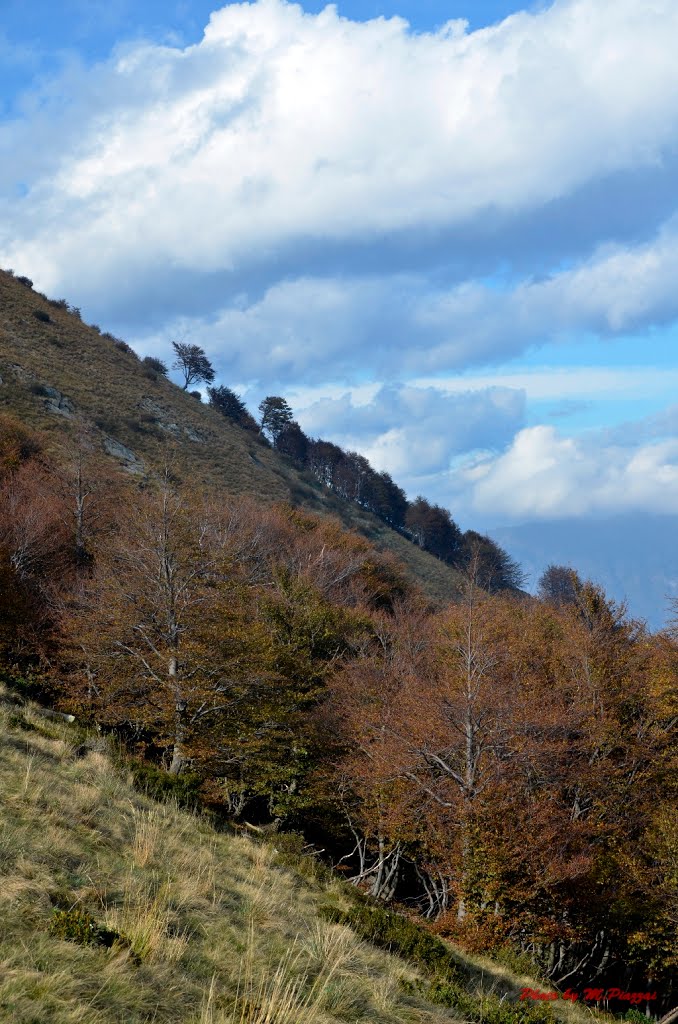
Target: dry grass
x,y
215,929
109,388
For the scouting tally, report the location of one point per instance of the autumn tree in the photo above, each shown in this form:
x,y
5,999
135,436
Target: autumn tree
x,y
192,363
369,789
324,461
385,499
85,492
18,445
432,528
162,631
35,555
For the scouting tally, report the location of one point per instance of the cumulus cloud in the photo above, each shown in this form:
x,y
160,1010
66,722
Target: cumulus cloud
x,y
281,127
414,432
545,475
316,328
316,200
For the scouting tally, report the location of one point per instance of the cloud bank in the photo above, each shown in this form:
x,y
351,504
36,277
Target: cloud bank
x,y
281,128
322,203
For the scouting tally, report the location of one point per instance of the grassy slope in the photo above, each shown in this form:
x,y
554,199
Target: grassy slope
x,y
108,387
224,932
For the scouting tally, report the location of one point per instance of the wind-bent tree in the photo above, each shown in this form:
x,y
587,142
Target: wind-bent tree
x,y
275,416
192,362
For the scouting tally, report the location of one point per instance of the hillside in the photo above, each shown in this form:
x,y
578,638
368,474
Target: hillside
x,y
201,927
58,371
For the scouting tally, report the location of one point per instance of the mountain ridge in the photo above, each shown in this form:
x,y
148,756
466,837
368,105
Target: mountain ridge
x,y
58,373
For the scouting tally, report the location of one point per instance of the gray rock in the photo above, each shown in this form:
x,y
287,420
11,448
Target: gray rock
x,y
120,451
193,435
56,401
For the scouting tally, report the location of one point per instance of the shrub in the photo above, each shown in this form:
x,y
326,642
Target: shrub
x,y
156,365
107,424
160,785
75,310
121,345
43,317
75,926
399,935
487,1009
79,926
59,303
196,394
25,281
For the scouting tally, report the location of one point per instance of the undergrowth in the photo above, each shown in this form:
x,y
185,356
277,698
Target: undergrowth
x,y
118,908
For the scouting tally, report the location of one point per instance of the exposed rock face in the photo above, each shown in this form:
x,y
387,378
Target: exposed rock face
x,y
56,401
120,451
193,435
164,421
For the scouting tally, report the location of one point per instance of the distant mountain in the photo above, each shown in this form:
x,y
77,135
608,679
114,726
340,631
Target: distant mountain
x,y
634,557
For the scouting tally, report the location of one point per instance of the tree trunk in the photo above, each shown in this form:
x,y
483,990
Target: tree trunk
x,y
178,756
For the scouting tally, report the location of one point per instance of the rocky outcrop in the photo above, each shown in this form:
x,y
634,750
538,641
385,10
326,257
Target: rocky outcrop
x,y
56,401
120,451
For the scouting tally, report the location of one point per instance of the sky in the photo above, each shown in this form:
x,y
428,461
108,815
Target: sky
x,y
446,232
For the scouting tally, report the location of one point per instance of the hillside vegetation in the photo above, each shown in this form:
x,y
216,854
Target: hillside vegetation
x,y
504,767
59,373
200,927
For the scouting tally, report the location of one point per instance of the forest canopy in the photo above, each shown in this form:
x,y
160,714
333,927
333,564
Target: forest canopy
x,y
505,766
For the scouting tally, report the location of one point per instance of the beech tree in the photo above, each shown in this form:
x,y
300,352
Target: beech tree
x,y
166,643
192,362
432,528
558,584
491,566
381,810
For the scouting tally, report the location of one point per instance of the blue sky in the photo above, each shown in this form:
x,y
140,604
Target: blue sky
x,y
452,247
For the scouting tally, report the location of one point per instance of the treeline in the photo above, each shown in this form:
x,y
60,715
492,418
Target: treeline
x,y
506,766
347,473
351,476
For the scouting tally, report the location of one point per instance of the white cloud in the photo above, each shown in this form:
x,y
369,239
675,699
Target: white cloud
x,y
414,432
282,126
545,475
562,383
319,328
